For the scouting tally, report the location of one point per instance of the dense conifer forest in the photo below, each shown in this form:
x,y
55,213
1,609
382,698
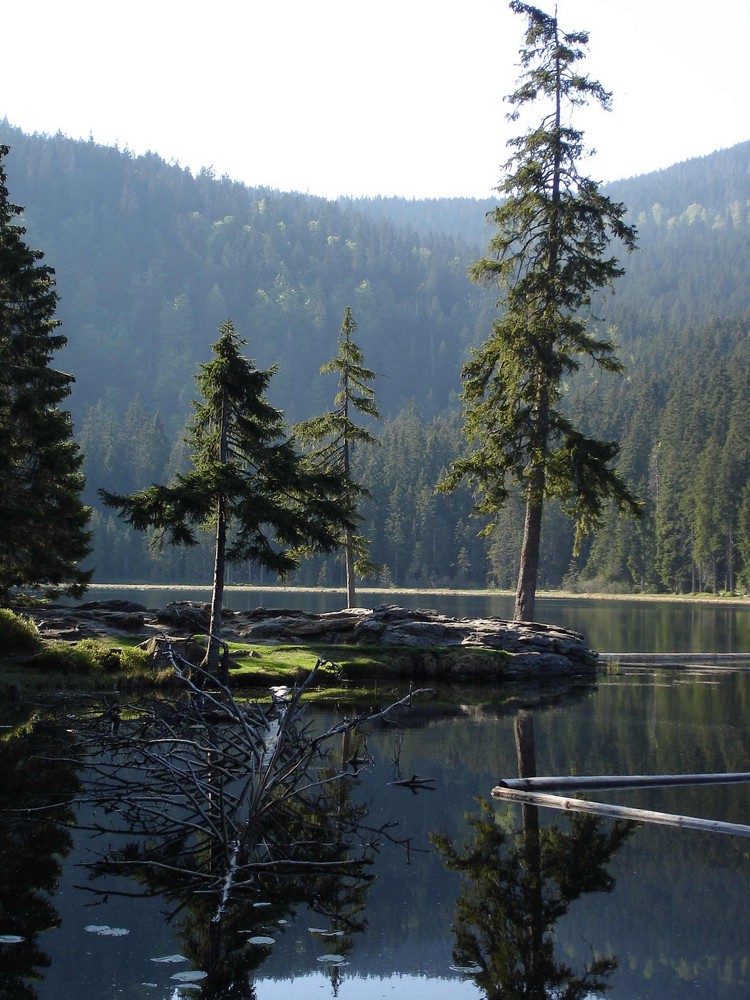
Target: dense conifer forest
x,y
150,260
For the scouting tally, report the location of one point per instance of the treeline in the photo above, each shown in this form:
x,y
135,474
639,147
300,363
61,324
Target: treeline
x,y
150,260
685,446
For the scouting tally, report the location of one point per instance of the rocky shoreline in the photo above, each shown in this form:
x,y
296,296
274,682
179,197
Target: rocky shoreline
x,y
533,649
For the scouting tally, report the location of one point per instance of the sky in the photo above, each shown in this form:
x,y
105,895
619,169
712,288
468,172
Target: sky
x,y
351,97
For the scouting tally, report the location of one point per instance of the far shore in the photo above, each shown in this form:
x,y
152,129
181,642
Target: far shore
x,y
723,599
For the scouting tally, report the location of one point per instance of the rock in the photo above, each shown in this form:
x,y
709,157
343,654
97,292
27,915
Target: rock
x,y
185,648
113,605
126,621
185,616
533,649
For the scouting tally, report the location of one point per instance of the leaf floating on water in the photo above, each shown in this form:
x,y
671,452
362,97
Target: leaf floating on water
x,y
258,905
282,922
332,959
104,930
467,970
10,939
260,939
170,958
189,977
322,932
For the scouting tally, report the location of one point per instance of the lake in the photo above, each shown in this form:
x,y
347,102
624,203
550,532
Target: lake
x,y
466,896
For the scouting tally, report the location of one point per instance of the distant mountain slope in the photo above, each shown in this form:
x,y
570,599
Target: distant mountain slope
x,y
150,260
714,181
693,220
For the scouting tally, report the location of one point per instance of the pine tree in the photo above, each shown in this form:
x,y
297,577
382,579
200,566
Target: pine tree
x,y
548,256
335,434
43,521
261,498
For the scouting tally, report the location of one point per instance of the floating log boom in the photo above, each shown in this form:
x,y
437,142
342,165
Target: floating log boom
x,y
620,812
593,782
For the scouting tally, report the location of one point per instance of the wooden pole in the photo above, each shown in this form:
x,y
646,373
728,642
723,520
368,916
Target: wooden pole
x,y
620,812
598,781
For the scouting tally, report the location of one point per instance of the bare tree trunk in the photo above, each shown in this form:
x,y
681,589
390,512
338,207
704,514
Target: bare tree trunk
x,y
351,596
351,587
211,662
528,570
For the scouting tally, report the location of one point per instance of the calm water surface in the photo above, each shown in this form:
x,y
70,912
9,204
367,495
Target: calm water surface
x,y
668,907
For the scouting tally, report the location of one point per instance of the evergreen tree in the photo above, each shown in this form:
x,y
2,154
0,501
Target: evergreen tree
x,y
262,500
43,522
335,433
547,257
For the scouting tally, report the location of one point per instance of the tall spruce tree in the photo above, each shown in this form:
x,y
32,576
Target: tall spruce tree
x,y
43,521
335,433
547,257
264,502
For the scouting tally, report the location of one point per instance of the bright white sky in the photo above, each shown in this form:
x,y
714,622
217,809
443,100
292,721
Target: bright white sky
x,y
351,97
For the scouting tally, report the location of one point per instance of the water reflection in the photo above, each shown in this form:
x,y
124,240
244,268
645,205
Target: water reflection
x,y
676,918
36,776
233,815
518,883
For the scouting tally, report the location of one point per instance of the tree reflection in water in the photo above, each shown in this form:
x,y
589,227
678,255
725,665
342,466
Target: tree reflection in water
x,y
37,781
236,814
518,884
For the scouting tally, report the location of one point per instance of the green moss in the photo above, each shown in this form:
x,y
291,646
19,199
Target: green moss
x,y
363,664
345,672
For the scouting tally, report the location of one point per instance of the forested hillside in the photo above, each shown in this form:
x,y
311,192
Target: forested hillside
x,y
150,260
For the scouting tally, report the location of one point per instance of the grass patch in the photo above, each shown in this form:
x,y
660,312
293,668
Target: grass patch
x,y
29,663
18,634
363,665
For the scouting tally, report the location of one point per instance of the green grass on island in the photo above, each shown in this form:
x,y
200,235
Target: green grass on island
x,y
30,664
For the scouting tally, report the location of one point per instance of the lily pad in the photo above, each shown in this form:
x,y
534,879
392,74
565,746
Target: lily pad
x,y
322,932
170,958
467,970
189,977
332,959
10,939
104,930
261,939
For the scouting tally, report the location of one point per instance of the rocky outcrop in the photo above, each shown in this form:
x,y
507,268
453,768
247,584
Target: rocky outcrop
x,y
532,648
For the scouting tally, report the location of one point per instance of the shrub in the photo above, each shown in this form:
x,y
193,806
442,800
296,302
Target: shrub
x,y
98,656
18,634
135,661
